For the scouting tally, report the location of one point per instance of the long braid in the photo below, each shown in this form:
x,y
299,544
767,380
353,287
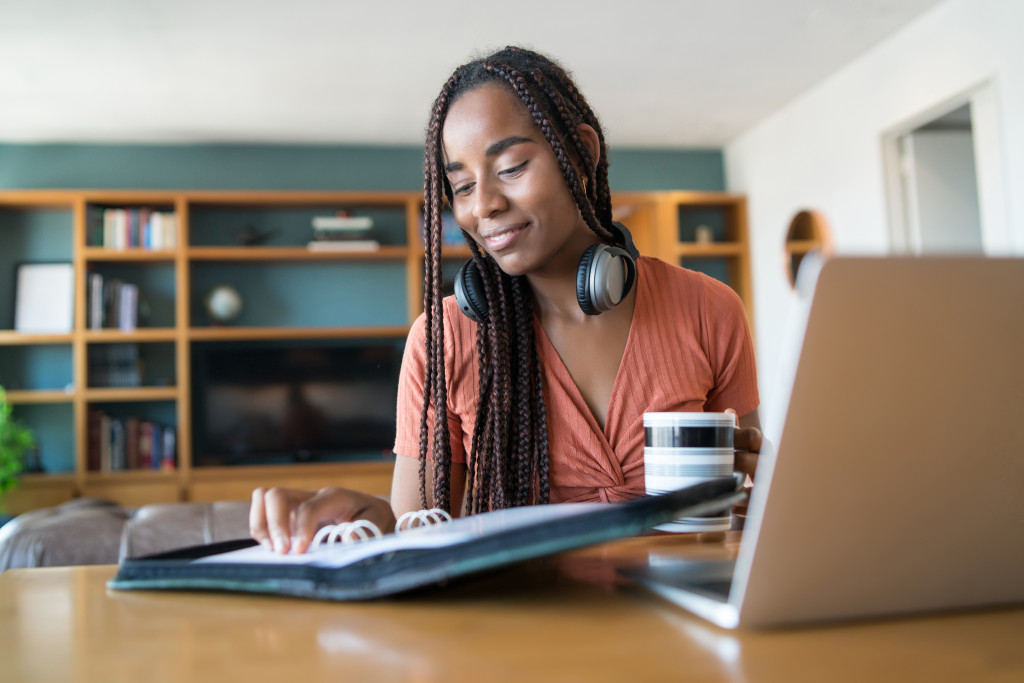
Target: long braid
x,y
435,385
509,462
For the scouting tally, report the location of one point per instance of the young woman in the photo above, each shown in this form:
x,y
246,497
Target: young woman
x,y
531,386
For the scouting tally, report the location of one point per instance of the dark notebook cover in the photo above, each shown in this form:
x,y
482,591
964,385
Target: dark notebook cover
x,y
399,562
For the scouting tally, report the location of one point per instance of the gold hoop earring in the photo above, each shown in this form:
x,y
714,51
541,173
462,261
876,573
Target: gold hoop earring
x,y
584,186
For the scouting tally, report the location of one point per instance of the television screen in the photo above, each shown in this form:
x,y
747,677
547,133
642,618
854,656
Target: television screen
x,y
262,403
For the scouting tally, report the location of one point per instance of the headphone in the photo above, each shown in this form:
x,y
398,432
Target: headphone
x,y
604,277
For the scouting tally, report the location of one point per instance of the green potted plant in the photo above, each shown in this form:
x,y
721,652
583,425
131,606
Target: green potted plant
x,y
16,440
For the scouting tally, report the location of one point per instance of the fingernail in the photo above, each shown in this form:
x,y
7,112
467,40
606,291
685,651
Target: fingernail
x,y
267,544
280,544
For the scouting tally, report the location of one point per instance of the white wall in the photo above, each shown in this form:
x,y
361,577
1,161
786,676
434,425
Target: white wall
x,y
824,150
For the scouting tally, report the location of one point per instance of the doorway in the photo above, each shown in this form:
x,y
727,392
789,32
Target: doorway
x,y
944,180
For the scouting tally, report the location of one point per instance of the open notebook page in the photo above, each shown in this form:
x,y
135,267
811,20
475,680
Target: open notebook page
x,y
447,534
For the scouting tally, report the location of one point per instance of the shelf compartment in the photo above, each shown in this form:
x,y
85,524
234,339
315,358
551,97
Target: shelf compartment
x,y
36,367
52,425
290,224
31,234
156,285
131,365
306,294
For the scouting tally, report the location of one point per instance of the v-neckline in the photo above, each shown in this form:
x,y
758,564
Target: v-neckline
x,y
558,366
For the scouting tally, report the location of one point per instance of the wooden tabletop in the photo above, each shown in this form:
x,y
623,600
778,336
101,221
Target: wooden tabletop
x,y
565,619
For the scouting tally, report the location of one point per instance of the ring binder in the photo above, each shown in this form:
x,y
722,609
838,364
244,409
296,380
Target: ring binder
x,y
435,551
418,518
346,532
362,530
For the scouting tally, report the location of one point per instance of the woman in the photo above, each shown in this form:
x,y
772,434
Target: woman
x,y
543,399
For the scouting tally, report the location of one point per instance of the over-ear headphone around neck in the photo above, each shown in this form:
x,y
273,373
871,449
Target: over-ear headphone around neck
x,y
604,277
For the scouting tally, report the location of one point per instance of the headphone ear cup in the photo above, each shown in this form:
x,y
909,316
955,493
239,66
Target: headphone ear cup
x,y
603,278
583,291
469,293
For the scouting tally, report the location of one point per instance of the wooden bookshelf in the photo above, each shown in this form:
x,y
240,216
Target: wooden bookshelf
x,y
204,247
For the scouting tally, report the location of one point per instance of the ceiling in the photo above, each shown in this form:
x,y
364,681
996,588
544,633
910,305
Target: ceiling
x,y
664,73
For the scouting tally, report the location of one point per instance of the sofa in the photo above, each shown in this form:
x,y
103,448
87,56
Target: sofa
x,y
95,531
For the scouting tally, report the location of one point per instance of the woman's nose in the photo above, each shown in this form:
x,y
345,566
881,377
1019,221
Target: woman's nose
x,y
490,199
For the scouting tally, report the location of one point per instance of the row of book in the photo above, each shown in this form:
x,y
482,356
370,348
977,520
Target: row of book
x,y
113,303
114,365
129,443
133,228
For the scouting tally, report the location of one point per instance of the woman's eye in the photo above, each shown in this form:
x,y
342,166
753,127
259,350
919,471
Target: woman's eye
x,y
463,189
515,170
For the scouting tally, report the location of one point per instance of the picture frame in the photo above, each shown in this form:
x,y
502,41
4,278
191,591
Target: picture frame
x,y
44,295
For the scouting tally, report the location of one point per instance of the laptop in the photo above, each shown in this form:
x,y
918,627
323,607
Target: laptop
x,y
897,481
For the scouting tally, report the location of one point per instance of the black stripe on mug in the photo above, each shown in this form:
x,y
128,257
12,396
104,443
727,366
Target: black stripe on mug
x,y
689,437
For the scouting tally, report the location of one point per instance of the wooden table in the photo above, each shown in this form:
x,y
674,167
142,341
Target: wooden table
x,y
565,619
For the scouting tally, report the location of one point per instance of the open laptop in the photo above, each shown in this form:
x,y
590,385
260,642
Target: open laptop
x,y
897,483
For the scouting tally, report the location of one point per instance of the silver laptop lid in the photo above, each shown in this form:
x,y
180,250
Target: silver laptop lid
x,y
897,485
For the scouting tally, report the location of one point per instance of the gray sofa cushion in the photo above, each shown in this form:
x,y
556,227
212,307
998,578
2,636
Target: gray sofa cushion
x,y
92,531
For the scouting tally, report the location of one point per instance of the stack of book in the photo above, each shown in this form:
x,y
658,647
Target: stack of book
x,y
115,365
129,443
112,303
342,233
138,228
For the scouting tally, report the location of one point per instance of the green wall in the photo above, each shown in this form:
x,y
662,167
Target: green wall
x,y
297,167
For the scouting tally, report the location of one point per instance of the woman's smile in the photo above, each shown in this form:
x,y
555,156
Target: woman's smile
x,y
501,238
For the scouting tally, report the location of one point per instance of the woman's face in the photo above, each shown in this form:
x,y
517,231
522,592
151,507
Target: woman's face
x,y
508,191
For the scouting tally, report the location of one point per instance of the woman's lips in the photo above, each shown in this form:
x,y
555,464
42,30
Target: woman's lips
x,y
503,237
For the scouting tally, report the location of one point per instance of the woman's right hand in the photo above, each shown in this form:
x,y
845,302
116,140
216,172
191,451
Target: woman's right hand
x,y
285,520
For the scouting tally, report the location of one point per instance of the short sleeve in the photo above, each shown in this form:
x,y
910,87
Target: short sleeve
x,y
411,383
731,351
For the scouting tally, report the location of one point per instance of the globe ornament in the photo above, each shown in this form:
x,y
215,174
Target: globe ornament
x,y
223,304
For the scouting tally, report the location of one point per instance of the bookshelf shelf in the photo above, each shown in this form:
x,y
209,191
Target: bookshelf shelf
x,y
12,338
275,333
111,394
154,334
38,396
132,255
696,249
208,228
129,476
384,253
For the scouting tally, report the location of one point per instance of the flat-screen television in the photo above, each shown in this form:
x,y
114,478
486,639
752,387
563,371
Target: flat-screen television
x,y
257,403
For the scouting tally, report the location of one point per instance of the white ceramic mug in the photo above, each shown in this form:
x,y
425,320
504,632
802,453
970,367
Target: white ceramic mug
x,y
683,449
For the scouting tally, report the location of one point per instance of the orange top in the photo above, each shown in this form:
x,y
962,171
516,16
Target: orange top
x,y
689,349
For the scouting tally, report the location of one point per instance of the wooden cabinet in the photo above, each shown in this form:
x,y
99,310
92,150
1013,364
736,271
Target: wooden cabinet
x,y
702,231
255,242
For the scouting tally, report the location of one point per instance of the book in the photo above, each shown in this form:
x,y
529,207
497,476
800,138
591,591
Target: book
x,y
342,222
343,245
402,561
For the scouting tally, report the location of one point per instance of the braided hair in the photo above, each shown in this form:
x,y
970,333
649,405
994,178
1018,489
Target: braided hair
x,y
509,460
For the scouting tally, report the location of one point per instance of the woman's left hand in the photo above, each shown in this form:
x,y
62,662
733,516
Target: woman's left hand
x,y
747,440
